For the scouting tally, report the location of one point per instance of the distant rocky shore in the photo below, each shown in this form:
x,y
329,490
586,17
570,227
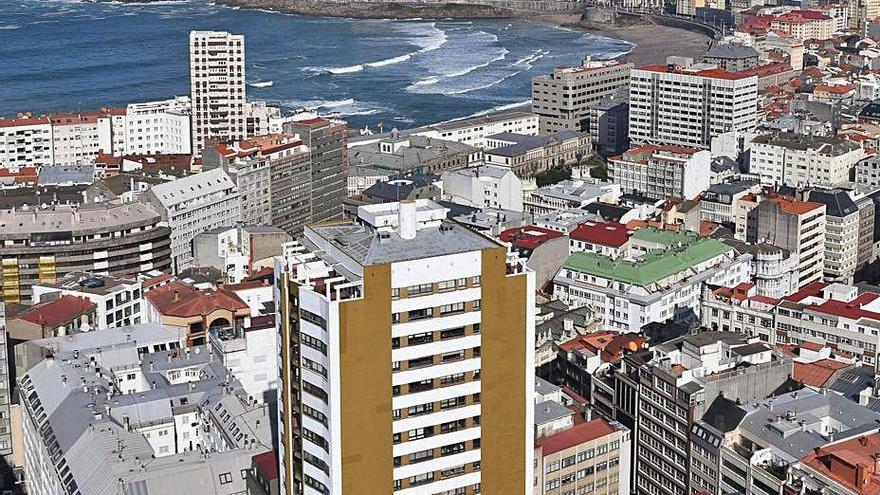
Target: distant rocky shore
x,y
374,10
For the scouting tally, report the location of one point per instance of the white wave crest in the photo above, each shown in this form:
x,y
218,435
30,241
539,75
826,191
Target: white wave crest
x,y
261,84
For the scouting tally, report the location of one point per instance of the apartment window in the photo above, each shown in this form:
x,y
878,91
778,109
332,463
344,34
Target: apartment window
x,y
453,449
395,293
424,455
452,403
419,314
451,356
419,290
475,281
420,338
454,308
421,479
421,386
477,303
446,285
420,409
420,362
225,478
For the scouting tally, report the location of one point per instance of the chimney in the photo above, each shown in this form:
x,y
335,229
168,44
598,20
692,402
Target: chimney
x,y
176,295
406,222
126,423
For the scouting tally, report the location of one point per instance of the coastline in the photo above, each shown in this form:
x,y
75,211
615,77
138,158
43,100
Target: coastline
x,y
652,43
369,10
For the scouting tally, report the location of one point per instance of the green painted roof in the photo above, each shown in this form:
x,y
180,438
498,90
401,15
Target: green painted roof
x,y
655,265
667,237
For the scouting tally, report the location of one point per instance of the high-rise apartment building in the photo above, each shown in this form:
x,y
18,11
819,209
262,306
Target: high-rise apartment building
x,y
798,226
273,176
689,104
564,98
217,84
677,384
192,205
327,143
407,358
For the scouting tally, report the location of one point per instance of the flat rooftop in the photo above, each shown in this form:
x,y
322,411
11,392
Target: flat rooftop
x,y
368,247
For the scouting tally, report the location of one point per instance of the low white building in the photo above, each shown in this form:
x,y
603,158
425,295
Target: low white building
x,y
118,301
658,171
570,194
487,186
660,280
798,160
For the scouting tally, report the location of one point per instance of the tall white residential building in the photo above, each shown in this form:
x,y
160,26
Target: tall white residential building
x,y
488,186
798,160
193,205
660,279
26,142
407,361
689,104
217,82
662,171
157,127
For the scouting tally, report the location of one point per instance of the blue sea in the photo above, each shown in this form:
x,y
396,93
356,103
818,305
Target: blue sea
x,y
62,55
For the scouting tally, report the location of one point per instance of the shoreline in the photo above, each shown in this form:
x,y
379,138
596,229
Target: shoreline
x,y
652,42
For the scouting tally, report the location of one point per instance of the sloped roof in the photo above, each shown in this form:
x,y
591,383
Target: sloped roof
x,y
57,311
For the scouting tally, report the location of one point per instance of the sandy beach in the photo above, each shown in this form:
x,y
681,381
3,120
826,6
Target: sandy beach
x,y
653,42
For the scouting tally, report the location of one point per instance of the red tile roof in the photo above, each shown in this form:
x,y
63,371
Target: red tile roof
x,y
793,206
851,463
604,233
837,89
612,344
851,310
816,374
23,121
576,435
57,311
529,237
185,301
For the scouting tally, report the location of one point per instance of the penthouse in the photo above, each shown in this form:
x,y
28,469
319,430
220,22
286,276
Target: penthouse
x,y
48,243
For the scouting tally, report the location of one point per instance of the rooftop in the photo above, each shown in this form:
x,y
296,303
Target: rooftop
x,y
189,188
185,301
797,422
529,237
576,435
829,146
852,463
654,266
77,221
520,143
368,247
58,311
604,233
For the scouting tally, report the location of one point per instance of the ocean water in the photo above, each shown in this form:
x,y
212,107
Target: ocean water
x,y
61,55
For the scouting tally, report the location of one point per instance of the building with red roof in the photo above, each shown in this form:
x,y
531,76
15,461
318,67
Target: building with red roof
x,y
57,317
662,171
195,311
680,94
852,465
804,24
608,238
594,446
263,476
526,239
